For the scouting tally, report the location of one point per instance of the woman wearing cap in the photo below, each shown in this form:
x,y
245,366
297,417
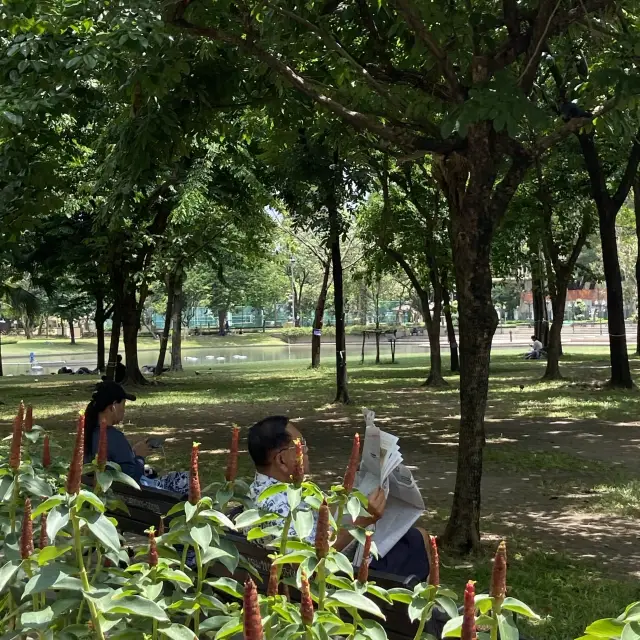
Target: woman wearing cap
x,y
108,405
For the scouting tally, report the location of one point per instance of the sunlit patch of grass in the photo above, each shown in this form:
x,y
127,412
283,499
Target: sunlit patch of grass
x,y
618,498
513,458
566,593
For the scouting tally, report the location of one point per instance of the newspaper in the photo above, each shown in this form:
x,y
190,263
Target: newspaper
x,y
382,466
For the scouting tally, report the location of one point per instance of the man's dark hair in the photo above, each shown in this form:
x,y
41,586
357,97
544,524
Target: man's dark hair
x,y
270,434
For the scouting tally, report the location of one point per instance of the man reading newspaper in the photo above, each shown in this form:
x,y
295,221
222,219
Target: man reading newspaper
x,y
402,547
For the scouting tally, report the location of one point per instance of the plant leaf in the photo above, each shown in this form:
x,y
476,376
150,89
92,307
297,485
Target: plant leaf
x,y
522,609
273,490
7,573
202,535
46,506
103,530
57,519
91,498
51,553
177,632
357,600
303,524
453,628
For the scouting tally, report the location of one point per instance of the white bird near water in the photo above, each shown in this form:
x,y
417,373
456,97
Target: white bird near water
x,y
220,358
190,359
210,357
239,357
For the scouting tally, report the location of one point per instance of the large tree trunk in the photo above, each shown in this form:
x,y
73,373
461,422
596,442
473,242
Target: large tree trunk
x,y
554,350
130,327
168,317
636,205
468,184
99,319
72,331
451,332
620,371
114,343
316,338
176,338
342,392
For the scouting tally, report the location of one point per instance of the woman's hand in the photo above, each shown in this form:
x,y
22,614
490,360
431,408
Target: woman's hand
x,y
141,449
377,504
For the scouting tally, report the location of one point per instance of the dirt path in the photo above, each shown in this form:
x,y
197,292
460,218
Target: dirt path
x,y
544,506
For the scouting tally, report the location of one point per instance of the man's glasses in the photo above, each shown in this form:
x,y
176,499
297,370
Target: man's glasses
x,y
305,448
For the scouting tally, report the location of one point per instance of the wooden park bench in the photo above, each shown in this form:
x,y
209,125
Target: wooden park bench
x,y
146,507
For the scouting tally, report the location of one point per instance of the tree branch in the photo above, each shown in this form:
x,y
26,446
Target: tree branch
x,y
417,25
629,175
361,122
585,230
546,11
333,44
504,190
596,174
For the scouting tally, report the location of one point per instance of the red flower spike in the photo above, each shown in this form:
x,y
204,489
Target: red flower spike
x,y
434,562
251,612
44,540
28,421
232,462
272,588
306,603
354,463
298,470
75,468
16,440
363,571
498,589
153,550
469,613
26,535
322,531
102,446
46,452
194,476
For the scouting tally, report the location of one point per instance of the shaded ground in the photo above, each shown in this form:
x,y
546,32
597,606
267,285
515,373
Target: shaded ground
x,y
560,479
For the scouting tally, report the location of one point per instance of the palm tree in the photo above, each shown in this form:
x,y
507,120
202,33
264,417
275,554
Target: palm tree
x,y
19,300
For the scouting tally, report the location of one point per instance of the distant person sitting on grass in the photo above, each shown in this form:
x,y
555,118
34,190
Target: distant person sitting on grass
x,y
108,405
121,371
271,446
536,349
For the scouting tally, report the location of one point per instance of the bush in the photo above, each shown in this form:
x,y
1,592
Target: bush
x,y
78,581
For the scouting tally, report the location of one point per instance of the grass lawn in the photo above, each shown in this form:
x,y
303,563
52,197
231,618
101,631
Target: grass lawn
x,y
21,347
560,474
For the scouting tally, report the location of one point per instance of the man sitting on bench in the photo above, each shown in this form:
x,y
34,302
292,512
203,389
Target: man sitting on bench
x,y
272,449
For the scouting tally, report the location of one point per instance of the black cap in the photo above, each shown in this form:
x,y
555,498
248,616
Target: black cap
x,y
107,393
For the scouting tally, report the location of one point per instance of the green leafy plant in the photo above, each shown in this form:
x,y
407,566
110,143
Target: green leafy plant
x,y
79,580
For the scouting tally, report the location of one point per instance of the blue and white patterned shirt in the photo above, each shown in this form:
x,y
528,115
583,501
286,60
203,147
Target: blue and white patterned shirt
x,y
277,503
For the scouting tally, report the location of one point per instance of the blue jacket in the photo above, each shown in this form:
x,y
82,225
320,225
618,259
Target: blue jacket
x,y
119,451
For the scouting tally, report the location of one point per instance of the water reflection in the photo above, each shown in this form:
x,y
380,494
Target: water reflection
x,y
206,357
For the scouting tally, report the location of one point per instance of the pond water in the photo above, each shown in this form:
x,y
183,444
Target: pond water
x,y
214,357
